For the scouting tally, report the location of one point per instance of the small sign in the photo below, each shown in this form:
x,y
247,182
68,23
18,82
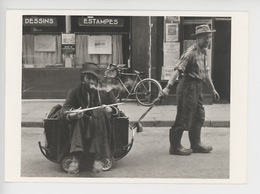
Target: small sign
x,y
68,39
39,21
68,49
171,19
172,32
101,21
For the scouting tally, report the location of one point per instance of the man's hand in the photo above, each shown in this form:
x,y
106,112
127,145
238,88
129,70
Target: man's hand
x,y
108,109
163,93
75,115
216,95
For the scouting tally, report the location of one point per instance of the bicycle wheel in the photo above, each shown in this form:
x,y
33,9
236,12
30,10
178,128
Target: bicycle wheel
x,y
146,91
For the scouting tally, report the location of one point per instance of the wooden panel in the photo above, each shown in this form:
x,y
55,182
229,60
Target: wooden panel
x,y
140,44
157,47
44,83
222,60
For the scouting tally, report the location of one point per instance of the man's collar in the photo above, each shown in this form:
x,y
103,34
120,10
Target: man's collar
x,y
201,50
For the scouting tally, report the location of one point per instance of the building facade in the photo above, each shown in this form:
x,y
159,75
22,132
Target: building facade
x,y
55,47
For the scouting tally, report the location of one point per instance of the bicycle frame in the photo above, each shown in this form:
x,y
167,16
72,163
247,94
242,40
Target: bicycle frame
x,y
137,87
137,79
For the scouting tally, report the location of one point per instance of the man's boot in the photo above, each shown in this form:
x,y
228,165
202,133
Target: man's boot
x,y
195,141
175,141
74,165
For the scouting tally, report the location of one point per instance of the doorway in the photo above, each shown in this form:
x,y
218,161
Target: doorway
x,y
222,58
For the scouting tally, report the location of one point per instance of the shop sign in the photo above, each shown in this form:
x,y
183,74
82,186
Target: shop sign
x,y
39,21
68,43
172,32
68,49
172,19
101,21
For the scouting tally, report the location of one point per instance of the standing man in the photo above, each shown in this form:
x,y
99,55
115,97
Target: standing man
x,y
190,111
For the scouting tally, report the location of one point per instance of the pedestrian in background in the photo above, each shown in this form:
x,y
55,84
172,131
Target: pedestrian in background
x,y
190,111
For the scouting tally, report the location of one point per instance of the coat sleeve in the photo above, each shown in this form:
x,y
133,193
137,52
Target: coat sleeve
x,y
110,97
70,102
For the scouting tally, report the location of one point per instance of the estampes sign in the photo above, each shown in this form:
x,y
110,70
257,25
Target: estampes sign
x,y
101,21
39,21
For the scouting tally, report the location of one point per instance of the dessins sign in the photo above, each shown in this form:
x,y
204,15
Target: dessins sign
x,y
101,21
39,21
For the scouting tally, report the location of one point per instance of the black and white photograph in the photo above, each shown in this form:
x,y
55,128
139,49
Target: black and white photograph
x,y
140,96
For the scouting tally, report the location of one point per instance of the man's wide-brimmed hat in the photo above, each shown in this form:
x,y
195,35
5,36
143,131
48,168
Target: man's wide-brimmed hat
x,y
202,29
91,68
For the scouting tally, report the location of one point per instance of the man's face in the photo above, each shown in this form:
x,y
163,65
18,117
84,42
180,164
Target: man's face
x,y
90,80
204,40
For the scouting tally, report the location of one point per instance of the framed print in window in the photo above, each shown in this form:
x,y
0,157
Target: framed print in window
x,y
100,44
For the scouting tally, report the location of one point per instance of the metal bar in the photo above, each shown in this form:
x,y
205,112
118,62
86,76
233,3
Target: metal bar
x,y
92,108
132,74
143,115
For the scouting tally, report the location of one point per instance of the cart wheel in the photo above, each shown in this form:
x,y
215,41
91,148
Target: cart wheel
x,y
65,163
108,163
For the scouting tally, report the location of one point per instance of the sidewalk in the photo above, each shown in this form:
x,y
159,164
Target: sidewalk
x,y
217,115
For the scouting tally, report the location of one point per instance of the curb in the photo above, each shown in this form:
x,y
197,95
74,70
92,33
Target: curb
x,y
144,124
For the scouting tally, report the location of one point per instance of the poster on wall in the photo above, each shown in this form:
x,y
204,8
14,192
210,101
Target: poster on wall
x,y
172,49
100,45
44,43
167,71
171,57
170,19
68,39
172,32
68,44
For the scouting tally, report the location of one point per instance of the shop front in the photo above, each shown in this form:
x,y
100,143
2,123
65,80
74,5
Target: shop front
x,y
177,38
55,47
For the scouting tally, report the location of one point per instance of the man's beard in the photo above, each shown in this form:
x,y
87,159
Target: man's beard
x,y
91,86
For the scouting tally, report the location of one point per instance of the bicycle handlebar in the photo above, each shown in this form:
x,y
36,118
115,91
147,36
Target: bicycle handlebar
x,y
118,66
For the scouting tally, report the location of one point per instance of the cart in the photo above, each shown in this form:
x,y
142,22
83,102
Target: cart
x,y
57,140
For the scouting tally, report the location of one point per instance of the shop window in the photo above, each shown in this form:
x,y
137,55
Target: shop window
x,y
41,51
102,51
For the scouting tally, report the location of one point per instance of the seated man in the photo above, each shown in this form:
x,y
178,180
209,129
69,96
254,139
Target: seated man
x,y
92,131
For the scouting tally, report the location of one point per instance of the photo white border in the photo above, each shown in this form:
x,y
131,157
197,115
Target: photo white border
x,y
239,65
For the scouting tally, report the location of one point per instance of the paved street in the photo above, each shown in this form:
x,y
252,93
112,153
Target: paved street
x,y
148,157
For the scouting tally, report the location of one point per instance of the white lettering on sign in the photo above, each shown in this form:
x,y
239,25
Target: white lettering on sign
x,y
39,21
95,21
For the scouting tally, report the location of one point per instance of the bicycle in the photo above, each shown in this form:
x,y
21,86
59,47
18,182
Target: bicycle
x,y
145,90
